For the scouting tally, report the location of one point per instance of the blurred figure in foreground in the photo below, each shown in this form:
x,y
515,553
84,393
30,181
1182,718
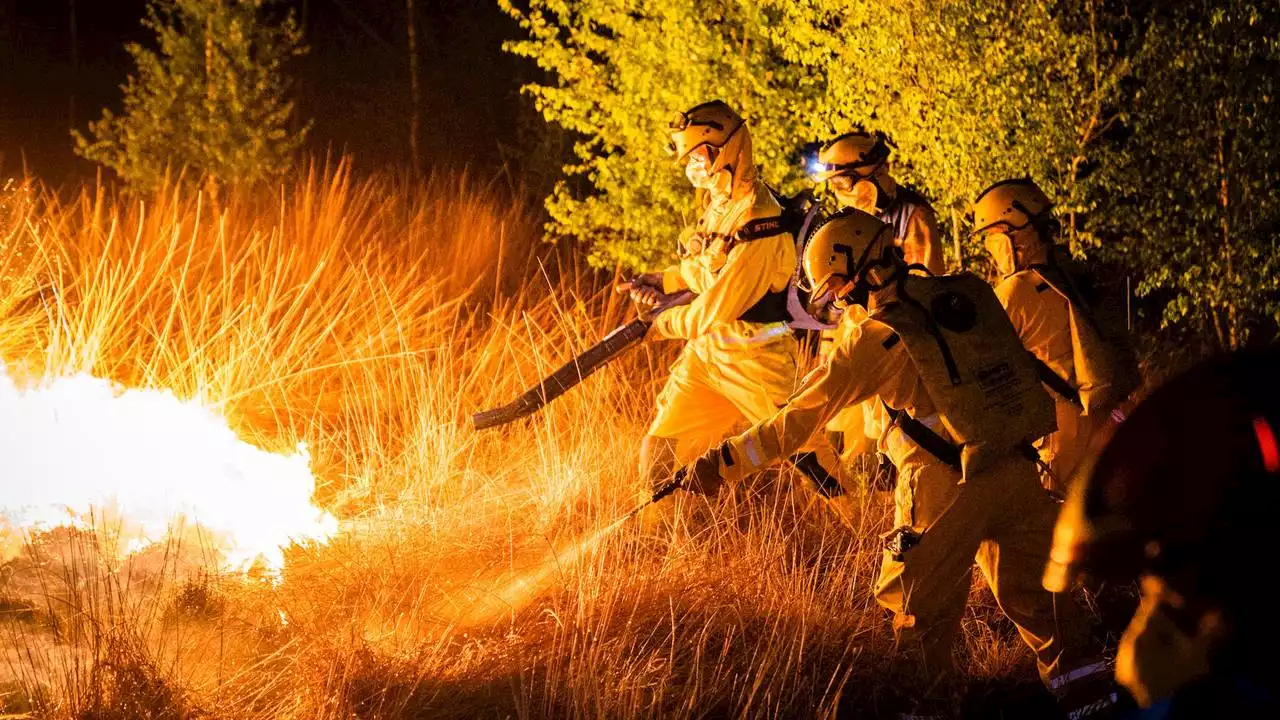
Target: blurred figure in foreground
x,y
1182,500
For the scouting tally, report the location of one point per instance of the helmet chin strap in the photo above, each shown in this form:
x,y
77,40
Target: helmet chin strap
x,y
864,286
882,196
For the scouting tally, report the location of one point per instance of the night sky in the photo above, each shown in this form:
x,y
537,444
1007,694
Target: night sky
x,y
354,83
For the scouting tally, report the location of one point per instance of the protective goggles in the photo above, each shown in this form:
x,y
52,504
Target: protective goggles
x,y
864,166
1008,228
682,121
850,174
824,292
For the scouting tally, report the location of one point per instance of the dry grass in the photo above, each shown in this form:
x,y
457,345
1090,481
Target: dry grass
x,y
369,318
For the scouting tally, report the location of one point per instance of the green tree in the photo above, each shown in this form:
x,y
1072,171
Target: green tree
x,y
970,90
212,96
1152,125
1194,208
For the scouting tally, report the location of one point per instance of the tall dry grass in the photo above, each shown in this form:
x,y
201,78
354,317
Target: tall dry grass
x,y
369,318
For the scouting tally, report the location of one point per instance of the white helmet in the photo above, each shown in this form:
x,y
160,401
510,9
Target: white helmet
x,y
1015,203
711,123
715,126
854,153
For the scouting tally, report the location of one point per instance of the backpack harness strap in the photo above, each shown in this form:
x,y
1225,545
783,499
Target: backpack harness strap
x,y
1055,382
773,306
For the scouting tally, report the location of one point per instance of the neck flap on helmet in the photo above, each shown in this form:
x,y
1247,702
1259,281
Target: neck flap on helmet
x,y
732,164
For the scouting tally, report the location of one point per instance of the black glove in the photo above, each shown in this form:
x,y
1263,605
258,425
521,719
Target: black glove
x,y
702,477
900,540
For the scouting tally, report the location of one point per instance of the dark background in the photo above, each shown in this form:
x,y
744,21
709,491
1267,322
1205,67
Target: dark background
x,y
354,82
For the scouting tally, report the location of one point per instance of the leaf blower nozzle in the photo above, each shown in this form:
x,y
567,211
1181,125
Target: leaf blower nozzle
x,y
660,493
671,486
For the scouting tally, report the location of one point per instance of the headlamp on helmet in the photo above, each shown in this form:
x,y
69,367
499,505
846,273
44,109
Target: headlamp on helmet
x,y
854,155
810,162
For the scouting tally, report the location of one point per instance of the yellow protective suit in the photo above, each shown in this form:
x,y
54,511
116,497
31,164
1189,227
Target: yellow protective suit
x,y
857,427
730,371
1001,517
1042,318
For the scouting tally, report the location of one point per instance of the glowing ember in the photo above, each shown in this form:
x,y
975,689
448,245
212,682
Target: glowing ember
x,y
78,445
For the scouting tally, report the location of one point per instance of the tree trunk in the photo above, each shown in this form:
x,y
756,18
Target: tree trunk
x,y
1232,330
415,119
956,244
208,59
1219,333
74,39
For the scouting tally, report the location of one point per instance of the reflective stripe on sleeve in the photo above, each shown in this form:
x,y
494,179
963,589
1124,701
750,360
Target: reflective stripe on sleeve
x,y
1059,681
749,446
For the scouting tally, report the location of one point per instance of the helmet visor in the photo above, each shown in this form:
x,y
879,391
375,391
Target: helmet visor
x,y
852,172
823,307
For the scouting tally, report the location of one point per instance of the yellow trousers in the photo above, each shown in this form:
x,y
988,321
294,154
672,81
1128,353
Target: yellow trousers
x,y
1003,520
721,384
1063,450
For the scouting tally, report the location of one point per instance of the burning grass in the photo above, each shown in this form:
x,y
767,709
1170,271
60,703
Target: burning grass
x,y
365,320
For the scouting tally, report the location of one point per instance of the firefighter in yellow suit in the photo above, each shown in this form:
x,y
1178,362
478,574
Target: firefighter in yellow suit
x,y
1015,220
981,504
856,166
739,362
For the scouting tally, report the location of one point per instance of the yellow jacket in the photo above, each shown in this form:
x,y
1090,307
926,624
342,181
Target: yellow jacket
x,y
920,241
1042,318
915,229
865,365
727,283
